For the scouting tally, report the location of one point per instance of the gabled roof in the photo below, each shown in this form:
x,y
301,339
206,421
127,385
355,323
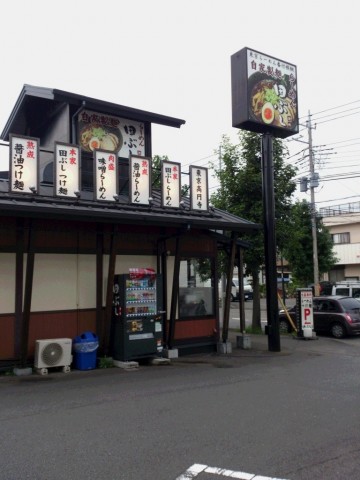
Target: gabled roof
x,y
41,102
33,107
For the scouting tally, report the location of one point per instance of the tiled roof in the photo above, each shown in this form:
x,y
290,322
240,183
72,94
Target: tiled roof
x,y
45,205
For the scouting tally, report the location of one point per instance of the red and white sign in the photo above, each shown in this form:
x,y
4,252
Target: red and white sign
x,y
24,164
140,180
170,184
105,175
67,170
306,312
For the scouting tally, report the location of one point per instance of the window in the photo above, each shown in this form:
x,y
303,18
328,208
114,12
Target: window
x,y
196,287
341,238
356,292
345,291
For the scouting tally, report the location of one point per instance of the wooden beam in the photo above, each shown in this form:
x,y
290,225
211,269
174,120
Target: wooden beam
x,y
19,285
99,285
174,295
230,270
109,290
27,298
240,265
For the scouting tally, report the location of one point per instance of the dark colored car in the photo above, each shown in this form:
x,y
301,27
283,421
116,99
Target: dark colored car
x,y
335,315
325,288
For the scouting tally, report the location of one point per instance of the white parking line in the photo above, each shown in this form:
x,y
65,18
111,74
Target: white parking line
x,y
194,470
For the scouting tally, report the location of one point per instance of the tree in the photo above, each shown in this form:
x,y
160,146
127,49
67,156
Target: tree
x,y
298,250
240,193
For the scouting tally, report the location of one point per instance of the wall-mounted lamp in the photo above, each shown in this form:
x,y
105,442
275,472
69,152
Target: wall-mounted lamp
x,y
116,198
182,204
33,189
151,201
77,194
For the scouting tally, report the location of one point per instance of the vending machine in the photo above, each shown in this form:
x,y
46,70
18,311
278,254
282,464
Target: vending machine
x,y
137,320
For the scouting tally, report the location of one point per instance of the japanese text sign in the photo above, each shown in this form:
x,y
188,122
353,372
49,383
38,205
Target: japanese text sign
x,y
304,312
67,170
105,132
24,164
106,177
264,94
140,180
306,308
199,189
170,184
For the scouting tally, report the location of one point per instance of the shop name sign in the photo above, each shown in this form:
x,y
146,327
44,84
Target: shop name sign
x,y
24,175
106,132
264,94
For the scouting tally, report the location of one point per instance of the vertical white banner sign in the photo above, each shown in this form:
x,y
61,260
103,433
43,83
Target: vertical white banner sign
x,y
24,164
67,170
170,184
199,188
105,175
140,180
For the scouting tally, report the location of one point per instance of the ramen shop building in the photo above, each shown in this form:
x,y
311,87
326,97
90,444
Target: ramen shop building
x,y
78,210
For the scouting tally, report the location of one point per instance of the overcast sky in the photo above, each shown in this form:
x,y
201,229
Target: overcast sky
x,y
173,58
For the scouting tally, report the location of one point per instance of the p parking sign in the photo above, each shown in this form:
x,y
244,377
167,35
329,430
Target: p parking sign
x,y
305,315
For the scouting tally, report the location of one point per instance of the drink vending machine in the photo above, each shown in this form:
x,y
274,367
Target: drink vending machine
x,y
137,320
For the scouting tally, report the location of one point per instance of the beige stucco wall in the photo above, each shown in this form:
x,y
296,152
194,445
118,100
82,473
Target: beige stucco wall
x,y
68,282
55,282
344,223
7,282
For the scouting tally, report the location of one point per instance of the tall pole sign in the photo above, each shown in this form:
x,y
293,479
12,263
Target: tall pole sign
x,y
264,100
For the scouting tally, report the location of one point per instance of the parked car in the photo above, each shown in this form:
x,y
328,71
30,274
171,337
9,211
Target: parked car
x,y
351,289
344,288
335,315
248,291
325,288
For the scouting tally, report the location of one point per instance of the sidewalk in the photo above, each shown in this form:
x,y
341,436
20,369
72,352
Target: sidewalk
x,y
258,349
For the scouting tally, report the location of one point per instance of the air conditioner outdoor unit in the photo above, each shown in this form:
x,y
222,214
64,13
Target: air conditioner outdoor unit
x,y
53,352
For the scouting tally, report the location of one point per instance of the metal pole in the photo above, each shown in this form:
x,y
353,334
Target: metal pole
x,y
313,211
283,281
270,243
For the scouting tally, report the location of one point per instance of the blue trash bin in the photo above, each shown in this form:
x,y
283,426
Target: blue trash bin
x,y
85,349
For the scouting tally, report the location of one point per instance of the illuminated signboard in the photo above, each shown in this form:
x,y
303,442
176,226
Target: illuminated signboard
x,y
24,164
170,184
105,132
264,94
199,189
106,177
140,180
67,170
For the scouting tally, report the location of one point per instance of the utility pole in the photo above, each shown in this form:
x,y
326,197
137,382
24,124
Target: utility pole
x,y
313,184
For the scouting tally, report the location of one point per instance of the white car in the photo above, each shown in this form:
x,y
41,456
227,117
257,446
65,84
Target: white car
x,y
248,291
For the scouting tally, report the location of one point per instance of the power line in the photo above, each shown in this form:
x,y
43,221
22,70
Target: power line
x,y
337,118
332,108
326,116
336,200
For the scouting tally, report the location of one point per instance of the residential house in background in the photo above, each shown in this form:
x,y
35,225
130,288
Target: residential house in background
x,y
343,222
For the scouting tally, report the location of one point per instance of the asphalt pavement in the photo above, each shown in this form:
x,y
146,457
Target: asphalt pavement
x,y
289,415
234,320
